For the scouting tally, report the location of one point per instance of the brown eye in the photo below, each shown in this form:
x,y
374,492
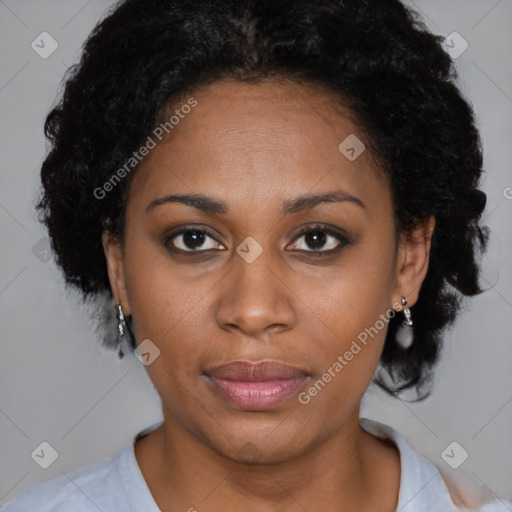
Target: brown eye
x,y
193,240
319,239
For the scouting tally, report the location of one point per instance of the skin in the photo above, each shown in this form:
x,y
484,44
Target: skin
x,y
254,147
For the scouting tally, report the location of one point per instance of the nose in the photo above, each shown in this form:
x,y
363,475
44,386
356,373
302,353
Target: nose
x,y
254,299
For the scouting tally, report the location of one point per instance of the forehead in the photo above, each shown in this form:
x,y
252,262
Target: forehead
x,y
264,141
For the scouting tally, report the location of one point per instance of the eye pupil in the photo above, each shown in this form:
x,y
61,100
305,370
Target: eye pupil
x,y
315,239
193,239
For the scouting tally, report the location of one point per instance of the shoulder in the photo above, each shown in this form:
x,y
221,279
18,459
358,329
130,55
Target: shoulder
x,y
424,488
94,487
467,494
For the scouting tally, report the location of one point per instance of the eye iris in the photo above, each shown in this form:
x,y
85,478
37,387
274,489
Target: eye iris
x,y
193,239
315,239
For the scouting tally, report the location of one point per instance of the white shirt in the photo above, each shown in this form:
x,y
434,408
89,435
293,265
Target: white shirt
x,y
116,484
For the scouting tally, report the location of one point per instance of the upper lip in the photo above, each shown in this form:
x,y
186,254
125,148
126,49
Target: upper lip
x,y
255,372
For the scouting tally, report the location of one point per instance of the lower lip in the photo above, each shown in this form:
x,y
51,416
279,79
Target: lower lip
x,y
256,395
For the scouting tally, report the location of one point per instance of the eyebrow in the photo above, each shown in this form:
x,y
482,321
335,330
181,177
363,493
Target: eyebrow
x,y
210,205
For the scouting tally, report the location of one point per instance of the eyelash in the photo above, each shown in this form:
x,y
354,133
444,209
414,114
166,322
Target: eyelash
x,y
315,228
322,228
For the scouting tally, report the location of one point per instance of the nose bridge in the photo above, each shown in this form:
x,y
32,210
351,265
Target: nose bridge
x,y
255,297
253,281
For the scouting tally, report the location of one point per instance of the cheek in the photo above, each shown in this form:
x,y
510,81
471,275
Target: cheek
x,y
170,308
350,298
346,357
164,309
350,309
158,296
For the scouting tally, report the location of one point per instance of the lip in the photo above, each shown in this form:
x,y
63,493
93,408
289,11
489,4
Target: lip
x,y
256,386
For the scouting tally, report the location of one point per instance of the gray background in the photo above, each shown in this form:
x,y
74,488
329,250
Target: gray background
x,y
58,385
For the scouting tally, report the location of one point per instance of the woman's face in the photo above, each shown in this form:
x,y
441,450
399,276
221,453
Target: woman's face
x,y
245,282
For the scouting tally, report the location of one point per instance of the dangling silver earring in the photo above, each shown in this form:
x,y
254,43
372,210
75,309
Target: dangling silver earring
x,y
120,326
407,314
120,320
405,335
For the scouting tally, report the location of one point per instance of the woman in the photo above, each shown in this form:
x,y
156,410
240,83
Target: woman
x,y
276,197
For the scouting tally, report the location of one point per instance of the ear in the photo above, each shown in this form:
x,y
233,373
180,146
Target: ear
x,y
115,266
412,261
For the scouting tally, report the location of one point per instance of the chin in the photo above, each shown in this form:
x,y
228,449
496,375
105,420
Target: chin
x,y
252,444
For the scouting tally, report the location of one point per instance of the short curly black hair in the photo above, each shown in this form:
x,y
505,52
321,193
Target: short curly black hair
x,y
376,55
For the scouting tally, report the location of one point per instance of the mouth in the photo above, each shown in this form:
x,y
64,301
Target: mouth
x,y
255,386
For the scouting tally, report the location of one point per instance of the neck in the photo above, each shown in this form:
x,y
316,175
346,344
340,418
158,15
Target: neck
x,y
343,472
